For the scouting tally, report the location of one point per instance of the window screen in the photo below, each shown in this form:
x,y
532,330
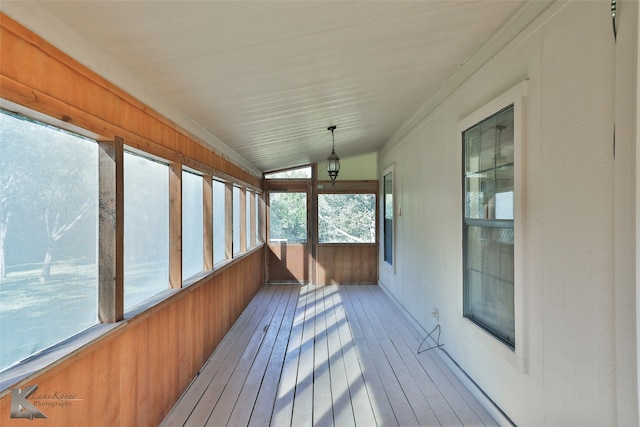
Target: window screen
x,y
236,220
346,218
146,228
219,222
48,236
288,217
192,225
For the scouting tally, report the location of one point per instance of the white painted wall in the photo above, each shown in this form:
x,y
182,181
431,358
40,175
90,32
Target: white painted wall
x,y
579,334
364,166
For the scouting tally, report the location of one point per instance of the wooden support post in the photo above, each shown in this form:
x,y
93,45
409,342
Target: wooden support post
x,y
207,226
262,217
228,232
111,231
313,225
243,219
175,225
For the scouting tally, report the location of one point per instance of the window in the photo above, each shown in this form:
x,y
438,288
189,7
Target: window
x,y
387,224
236,220
50,187
219,222
288,217
258,236
488,229
146,228
346,218
48,236
248,218
300,173
192,225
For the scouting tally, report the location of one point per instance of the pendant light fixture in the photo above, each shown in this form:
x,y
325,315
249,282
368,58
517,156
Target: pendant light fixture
x,y
333,161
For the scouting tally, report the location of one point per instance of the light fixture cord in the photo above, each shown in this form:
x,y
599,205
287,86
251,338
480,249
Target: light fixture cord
x,y
614,13
333,142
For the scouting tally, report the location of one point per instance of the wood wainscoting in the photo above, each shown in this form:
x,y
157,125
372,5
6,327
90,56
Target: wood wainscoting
x,y
347,264
288,263
134,375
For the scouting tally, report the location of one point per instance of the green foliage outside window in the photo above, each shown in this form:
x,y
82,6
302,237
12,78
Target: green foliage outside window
x,y
288,217
346,218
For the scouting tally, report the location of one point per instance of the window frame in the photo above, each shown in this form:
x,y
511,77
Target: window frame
x,y
488,224
515,96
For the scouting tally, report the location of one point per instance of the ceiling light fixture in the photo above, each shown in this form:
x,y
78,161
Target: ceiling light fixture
x,y
333,161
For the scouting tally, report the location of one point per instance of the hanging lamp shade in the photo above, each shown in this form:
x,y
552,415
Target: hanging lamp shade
x,y
333,161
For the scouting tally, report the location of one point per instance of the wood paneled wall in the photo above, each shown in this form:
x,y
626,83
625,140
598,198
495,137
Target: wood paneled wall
x,y
37,75
288,263
347,264
133,376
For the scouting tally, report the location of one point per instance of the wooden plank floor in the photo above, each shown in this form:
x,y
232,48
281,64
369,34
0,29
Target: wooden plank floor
x,y
325,356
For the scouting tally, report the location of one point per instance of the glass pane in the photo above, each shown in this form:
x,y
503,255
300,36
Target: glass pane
x,y
489,168
192,225
489,297
48,236
258,237
288,217
388,218
346,218
219,218
146,229
236,220
504,205
300,173
388,196
248,218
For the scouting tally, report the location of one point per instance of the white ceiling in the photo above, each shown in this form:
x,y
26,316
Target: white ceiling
x,y
267,78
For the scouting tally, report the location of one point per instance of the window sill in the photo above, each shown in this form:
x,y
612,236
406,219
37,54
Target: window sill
x,y
349,244
50,357
513,356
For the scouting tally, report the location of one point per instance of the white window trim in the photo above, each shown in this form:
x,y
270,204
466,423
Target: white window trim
x,y
517,357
